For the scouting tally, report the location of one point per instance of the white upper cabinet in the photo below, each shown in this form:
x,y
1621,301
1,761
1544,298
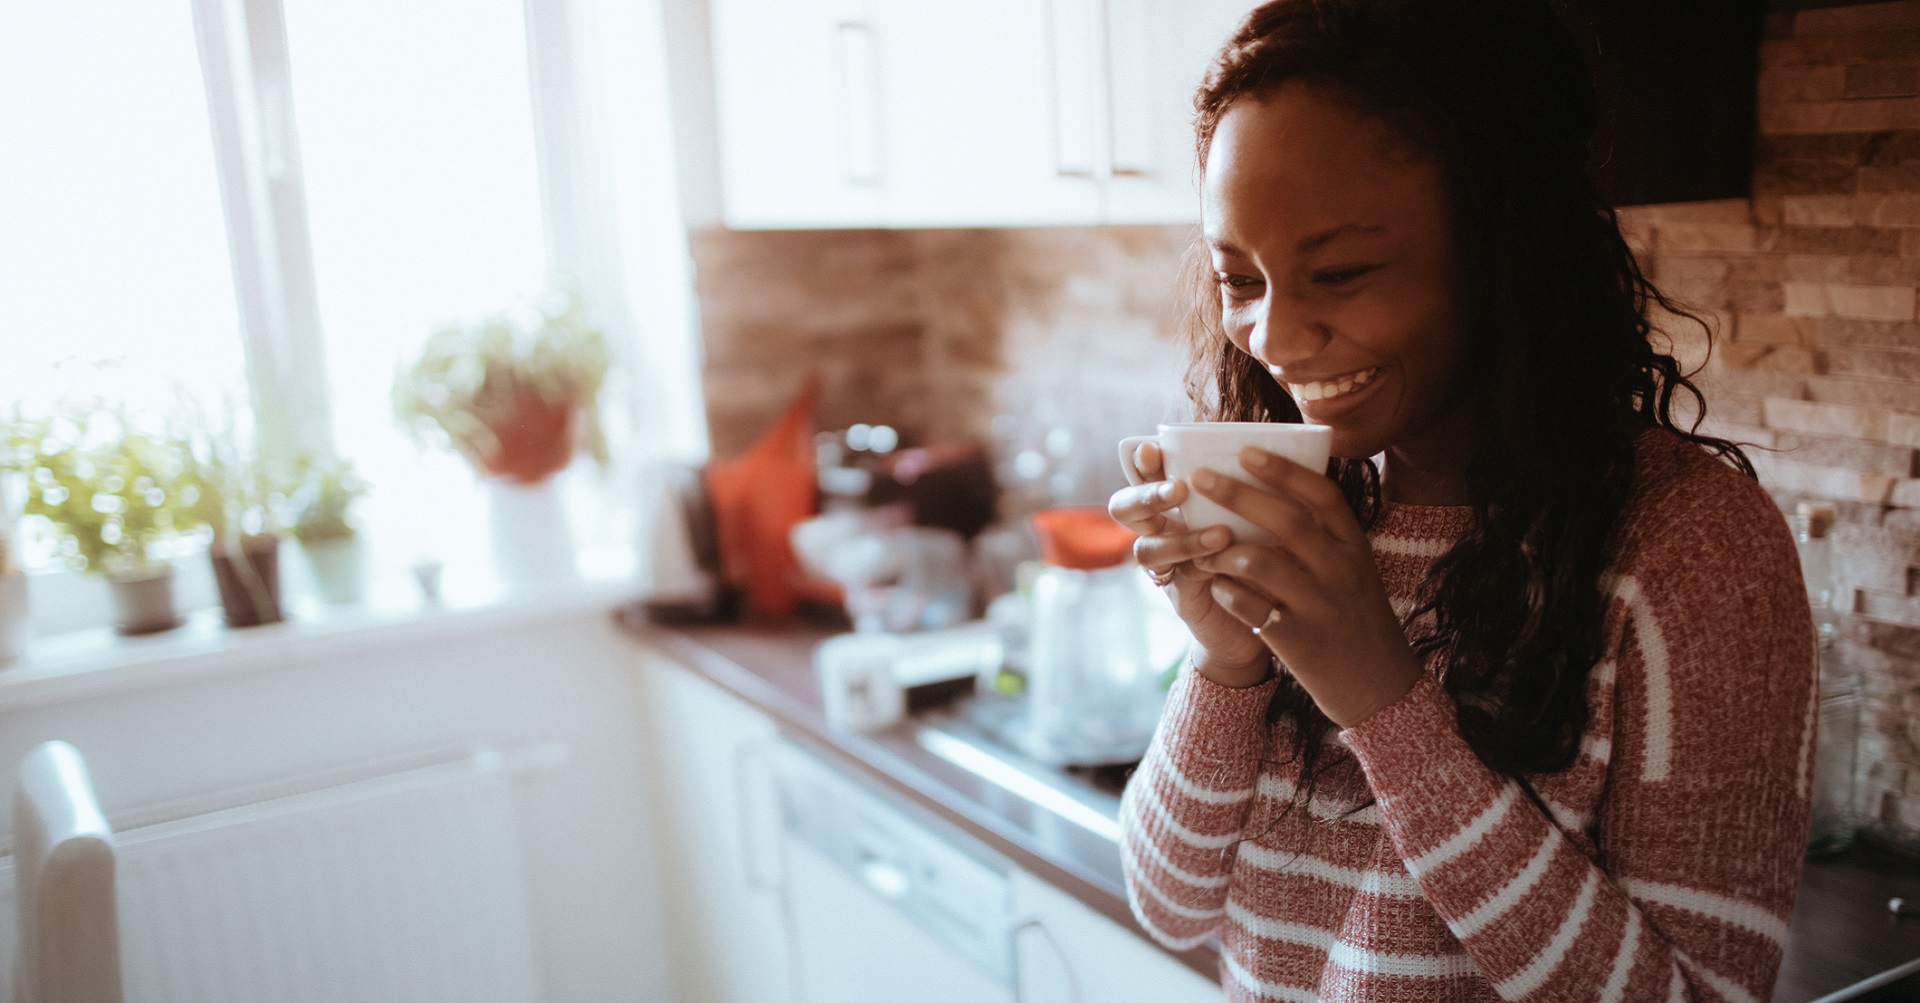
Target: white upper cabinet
x,y
795,85
915,113
1155,53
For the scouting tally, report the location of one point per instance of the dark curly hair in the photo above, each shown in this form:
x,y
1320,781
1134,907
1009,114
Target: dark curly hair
x,y
1562,353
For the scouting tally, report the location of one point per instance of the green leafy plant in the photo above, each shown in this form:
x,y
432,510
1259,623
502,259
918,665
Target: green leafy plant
x,y
230,488
110,489
323,493
513,393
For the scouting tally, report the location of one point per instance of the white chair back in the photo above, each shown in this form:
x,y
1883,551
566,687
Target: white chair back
x,y
63,867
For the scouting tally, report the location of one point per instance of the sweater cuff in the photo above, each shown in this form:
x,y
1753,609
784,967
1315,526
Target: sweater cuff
x,y
1397,739
1428,781
1215,723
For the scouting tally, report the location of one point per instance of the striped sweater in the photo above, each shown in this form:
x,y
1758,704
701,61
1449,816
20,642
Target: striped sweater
x,y
1661,866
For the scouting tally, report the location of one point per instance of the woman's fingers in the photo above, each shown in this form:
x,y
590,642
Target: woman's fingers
x,y
1241,601
1143,508
1311,489
1283,515
1157,553
1271,573
1146,461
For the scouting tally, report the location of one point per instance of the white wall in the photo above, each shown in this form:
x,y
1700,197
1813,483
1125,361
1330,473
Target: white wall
x,y
496,679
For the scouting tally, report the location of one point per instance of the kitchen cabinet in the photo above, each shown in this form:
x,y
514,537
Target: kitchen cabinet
x,y
853,113
717,804
1069,952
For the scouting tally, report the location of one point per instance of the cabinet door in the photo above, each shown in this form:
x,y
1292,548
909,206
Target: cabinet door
x,y
796,92
1156,53
989,109
723,869
1069,952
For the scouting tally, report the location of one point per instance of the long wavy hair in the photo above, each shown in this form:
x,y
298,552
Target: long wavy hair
x,y
1563,356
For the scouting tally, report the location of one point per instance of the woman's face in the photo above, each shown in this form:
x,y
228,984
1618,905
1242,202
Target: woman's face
x,y
1333,251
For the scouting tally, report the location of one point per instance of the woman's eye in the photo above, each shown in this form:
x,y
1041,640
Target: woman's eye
x,y
1237,286
1341,276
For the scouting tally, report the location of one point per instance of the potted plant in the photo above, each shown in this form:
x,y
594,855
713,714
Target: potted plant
x,y
233,494
112,492
515,393
321,500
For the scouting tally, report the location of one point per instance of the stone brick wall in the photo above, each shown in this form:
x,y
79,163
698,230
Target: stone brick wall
x,y
1051,342
1056,342
1811,286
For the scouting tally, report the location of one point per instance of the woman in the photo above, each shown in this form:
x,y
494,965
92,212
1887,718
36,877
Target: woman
x,y
1524,710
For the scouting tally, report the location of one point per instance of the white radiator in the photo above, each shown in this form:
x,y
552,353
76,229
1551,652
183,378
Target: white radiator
x,y
396,882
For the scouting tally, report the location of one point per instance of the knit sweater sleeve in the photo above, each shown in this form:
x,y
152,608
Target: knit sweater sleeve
x,y
1185,806
1686,881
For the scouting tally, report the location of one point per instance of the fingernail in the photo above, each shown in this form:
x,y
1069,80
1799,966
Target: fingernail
x,y
1164,491
1253,456
1204,479
1216,537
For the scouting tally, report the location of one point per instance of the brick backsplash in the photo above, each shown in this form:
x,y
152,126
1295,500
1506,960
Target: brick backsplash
x,y
1810,286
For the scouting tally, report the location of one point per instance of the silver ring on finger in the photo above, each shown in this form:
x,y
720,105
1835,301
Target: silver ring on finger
x,y
1160,579
1274,616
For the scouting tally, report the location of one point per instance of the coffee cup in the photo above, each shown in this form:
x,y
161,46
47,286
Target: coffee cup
x,y
1188,446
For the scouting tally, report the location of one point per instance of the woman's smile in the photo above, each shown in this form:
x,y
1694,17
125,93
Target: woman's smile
x,y
1326,400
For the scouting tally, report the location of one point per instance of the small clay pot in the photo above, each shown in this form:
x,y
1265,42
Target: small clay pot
x,y
143,601
249,580
535,443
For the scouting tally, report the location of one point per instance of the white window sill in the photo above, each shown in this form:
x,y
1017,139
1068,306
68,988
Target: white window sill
x,y
86,663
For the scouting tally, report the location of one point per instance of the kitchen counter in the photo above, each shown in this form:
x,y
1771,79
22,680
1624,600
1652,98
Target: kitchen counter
x,y
1059,825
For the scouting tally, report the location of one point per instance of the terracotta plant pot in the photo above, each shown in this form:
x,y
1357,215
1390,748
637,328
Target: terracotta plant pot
x,y
249,579
143,601
535,444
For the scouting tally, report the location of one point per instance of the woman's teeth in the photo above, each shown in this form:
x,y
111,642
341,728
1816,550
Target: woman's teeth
x,y
1328,389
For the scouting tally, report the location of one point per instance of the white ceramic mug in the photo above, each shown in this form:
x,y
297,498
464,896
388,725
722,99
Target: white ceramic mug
x,y
1216,445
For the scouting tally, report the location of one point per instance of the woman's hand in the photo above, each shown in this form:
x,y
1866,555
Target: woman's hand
x,y
1226,651
1315,600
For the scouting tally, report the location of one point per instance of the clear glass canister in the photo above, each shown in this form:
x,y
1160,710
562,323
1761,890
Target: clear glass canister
x,y
1093,689
1831,828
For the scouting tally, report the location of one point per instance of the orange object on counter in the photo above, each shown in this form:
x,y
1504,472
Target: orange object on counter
x,y
1084,537
757,499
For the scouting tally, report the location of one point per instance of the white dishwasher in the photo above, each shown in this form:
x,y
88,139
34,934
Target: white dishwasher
x,y
886,903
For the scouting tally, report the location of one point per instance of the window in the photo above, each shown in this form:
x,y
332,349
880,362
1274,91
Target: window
x,y
275,201
112,247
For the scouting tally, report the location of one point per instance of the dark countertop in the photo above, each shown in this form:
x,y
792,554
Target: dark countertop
x,y
1841,932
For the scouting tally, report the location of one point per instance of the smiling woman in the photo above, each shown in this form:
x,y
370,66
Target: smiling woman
x,y
1480,727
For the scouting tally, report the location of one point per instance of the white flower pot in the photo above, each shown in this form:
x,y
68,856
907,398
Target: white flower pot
x,y
532,540
143,603
13,617
339,568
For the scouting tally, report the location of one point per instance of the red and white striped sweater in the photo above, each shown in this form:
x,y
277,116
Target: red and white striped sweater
x,y
1663,866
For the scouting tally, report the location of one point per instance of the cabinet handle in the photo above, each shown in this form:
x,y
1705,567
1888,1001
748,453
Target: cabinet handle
x,y
856,65
750,760
1073,69
1127,38
1066,964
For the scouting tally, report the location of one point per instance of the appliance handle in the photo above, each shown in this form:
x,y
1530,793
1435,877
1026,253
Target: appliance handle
x,y
750,759
1066,964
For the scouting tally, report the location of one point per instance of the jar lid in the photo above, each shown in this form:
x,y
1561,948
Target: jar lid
x,y
1083,537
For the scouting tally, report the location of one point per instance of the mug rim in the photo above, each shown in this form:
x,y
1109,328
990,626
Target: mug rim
x,y
1167,425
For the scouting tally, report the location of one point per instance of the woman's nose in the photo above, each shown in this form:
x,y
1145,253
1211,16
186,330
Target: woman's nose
x,y
1286,334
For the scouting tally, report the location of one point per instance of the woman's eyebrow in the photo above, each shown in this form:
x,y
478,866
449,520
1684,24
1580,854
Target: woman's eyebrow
x,y
1321,239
